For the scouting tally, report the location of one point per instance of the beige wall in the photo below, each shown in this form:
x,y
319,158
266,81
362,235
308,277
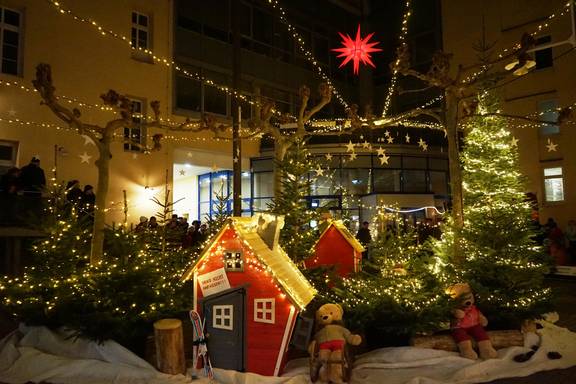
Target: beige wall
x,y
86,64
504,23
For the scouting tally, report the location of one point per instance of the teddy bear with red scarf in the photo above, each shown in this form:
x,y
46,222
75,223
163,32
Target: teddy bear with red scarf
x,y
468,323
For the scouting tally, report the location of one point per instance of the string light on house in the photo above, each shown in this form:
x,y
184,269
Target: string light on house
x,y
403,44
157,59
307,54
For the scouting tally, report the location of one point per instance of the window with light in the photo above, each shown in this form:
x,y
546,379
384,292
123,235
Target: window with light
x,y
553,184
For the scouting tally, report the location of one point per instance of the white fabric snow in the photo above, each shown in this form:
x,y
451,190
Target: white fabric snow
x,y
36,354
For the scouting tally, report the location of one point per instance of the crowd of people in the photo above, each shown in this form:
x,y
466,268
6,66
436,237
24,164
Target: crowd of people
x,y
83,200
178,230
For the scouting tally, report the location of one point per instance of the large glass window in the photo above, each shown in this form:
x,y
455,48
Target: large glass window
x,y
548,112
10,30
356,181
543,57
414,181
387,180
553,184
140,31
438,183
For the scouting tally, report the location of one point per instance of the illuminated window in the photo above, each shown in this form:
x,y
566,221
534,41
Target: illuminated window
x,y
134,136
223,317
264,310
10,30
233,261
553,184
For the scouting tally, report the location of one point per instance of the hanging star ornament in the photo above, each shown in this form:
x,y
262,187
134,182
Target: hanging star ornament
x,y
384,159
357,50
551,146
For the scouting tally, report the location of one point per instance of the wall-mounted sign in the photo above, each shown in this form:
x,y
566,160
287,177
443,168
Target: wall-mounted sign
x,y
213,282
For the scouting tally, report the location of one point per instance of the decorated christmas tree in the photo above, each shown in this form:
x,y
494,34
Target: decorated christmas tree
x,y
118,298
297,237
498,255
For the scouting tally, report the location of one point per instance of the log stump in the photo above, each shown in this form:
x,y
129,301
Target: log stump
x,y
169,343
445,342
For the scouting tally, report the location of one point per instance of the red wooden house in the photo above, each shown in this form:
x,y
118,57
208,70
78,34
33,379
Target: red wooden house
x,y
249,293
337,246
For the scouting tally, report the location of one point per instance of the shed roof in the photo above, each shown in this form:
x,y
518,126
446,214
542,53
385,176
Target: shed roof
x,y
340,227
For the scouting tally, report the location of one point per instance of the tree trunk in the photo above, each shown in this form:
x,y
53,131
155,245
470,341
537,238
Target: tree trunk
x,y
169,342
236,115
455,170
500,339
103,166
280,149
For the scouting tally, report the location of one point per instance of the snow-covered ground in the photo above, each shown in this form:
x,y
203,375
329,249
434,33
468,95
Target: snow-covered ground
x,y
35,354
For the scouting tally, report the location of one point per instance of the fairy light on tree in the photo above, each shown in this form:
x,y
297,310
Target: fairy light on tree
x,y
503,263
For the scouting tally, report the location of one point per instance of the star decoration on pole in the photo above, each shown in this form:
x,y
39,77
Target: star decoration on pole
x,y
551,146
85,158
357,50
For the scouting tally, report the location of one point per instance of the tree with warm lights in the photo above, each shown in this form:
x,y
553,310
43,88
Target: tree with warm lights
x,y
297,237
501,259
118,298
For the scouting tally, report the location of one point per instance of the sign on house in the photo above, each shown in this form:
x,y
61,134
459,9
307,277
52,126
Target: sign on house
x,y
213,282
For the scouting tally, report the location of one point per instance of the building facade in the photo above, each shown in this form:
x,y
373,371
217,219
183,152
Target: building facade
x,y
547,155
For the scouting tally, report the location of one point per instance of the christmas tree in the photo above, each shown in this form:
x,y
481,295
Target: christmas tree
x,y
499,257
397,295
118,298
297,237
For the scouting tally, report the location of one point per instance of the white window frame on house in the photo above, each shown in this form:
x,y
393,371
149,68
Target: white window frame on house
x,y
221,313
15,29
553,184
137,29
138,118
261,309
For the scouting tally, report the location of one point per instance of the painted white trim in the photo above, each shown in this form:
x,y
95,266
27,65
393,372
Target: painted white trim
x,y
260,313
285,338
218,319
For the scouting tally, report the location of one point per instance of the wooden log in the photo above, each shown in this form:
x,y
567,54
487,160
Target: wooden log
x,y
445,342
169,346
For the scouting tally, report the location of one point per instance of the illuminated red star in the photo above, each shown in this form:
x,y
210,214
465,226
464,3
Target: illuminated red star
x,y
356,50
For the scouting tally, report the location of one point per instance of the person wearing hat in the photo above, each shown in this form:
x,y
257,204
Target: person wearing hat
x,y
142,225
32,178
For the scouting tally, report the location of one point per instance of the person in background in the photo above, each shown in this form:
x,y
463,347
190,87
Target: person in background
x,y
152,223
142,225
9,201
365,238
10,182
32,178
74,193
555,240
88,201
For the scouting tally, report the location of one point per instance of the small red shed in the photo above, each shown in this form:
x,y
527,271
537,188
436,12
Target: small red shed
x,y
249,293
337,246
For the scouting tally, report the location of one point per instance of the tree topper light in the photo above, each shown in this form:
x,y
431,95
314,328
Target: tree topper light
x,y
356,50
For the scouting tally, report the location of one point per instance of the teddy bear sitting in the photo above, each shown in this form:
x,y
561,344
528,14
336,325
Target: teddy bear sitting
x,y
330,340
468,323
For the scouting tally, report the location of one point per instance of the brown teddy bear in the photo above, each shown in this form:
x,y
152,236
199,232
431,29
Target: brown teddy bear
x,y
330,340
468,323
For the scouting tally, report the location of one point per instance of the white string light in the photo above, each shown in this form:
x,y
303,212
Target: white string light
x,y
403,44
307,54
